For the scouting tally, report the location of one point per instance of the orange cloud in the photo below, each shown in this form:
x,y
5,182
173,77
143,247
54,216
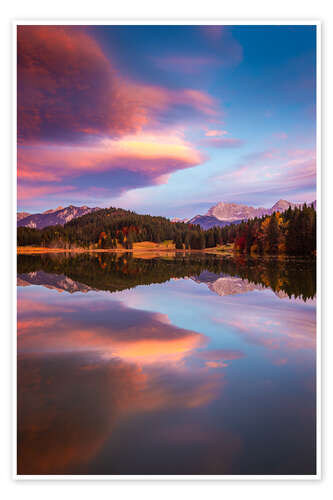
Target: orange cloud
x,y
25,326
148,158
148,338
66,413
216,357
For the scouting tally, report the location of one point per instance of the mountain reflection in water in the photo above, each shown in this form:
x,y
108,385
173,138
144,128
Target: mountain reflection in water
x,y
115,272
205,371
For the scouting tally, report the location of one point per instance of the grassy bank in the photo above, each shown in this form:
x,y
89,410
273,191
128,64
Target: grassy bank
x,y
142,248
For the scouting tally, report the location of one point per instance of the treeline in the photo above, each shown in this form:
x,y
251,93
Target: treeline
x,y
292,232
116,272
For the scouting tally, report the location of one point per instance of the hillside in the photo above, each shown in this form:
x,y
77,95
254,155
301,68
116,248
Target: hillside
x,y
106,228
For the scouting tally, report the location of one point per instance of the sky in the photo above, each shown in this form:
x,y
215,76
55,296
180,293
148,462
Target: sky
x,y
166,120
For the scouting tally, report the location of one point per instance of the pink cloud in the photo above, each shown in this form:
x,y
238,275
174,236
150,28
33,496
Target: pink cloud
x,y
259,156
153,154
68,89
77,115
25,326
282,329
216,364
25,172
154,99
27,192
152,157
295,169
214,133
300,153
151,339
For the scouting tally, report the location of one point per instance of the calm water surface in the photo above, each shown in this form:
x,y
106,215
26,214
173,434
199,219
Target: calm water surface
x,y
179,365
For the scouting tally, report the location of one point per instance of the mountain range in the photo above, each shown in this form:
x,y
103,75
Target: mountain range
x,y
223,213
53,217
59,282
222,285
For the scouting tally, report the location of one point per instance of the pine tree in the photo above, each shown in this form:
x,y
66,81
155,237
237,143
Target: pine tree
x,y
129,240
121,237
201,242
273,234
187,240
178,241
210,240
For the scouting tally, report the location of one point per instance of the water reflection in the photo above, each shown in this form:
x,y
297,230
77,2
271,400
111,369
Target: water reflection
x,y
116,272
190,375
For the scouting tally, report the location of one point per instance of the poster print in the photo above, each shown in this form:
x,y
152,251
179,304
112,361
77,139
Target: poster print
x,y
166,240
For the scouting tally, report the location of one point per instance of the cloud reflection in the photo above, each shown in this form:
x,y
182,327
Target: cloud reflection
x,y
82,368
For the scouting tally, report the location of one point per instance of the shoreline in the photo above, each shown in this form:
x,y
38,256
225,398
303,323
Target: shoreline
x,y
39,250
152,252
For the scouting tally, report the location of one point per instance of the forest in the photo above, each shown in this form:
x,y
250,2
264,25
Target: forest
x,y
292,232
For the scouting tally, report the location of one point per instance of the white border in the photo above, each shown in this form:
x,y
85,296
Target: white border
x,y
319,367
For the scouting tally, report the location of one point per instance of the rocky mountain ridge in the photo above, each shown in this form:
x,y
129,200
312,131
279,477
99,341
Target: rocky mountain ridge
x,y
224,285
53,217
221,214
224,213
22,215
59,282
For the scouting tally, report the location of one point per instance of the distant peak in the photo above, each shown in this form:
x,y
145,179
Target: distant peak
x,y
52,210
282,201
284,204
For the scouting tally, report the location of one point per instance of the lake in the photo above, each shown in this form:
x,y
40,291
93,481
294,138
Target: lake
x,y
180,364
